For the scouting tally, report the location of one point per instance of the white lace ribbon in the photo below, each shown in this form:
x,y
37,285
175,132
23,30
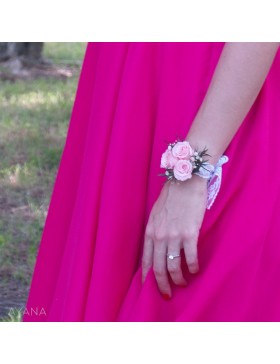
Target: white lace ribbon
x,y
214,176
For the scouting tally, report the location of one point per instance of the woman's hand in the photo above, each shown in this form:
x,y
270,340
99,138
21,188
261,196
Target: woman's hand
x,y
174,224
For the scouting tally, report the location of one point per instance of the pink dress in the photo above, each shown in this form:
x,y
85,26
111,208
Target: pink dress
x,y
131,99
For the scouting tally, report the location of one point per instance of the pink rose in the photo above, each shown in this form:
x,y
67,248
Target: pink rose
x,y
168,160
183,170
182,150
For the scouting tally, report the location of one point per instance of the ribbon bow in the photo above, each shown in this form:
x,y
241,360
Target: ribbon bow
x,y
214,176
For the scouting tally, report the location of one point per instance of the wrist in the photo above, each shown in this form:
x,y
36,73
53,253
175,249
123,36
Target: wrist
x,y
196,185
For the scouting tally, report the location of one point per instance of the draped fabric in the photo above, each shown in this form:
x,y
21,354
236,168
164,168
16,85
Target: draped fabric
x,y
131,99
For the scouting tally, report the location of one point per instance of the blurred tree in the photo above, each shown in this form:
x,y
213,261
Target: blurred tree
x,y
29,53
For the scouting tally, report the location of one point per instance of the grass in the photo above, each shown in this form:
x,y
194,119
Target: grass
x,y
14,315
66,53
34,120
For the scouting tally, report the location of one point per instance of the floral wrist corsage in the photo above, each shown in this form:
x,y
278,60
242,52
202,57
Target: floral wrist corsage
x,y
180,160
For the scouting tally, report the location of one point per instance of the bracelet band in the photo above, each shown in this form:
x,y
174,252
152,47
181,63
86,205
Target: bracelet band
x,y
181,161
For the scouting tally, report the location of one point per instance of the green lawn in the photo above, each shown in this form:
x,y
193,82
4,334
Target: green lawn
x,y
34,119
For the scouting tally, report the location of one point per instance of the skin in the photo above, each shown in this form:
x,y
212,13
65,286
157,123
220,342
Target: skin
x,y
176,216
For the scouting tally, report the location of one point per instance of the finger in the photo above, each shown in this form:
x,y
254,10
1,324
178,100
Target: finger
x,y
160,269
174,265
190,249
147,257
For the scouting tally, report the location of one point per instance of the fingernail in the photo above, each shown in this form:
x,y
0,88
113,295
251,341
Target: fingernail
x,y
166,296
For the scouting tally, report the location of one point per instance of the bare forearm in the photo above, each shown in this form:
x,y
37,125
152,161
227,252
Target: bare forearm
x,y
237,80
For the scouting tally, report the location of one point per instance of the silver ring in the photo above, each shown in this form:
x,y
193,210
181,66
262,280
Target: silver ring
x,y
172,256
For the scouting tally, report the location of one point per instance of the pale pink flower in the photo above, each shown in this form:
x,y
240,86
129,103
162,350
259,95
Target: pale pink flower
x,y
168,160
182,150
183,170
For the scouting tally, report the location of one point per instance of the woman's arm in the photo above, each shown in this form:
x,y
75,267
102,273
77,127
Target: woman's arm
x,y
237,80
176,217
